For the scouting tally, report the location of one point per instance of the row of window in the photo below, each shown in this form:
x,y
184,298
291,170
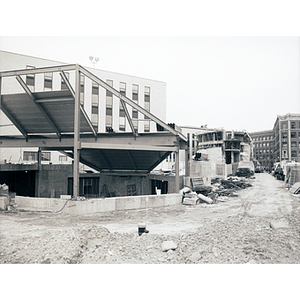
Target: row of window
x,y
264,151
294,135
171,158
48,80
262,156
294,125
122,107
263,138
32,156
259,145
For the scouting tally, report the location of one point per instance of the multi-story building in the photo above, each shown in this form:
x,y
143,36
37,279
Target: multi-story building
x,y
220,146
287,137
263,148
235,145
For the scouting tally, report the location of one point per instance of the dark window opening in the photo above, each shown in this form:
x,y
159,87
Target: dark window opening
x,y
159,185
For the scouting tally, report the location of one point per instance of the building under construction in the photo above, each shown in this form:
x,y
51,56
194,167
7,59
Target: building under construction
x,y
51,111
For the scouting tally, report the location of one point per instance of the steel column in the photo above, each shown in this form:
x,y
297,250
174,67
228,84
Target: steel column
x,y
186,163
76,149
177,171
190,151
0,92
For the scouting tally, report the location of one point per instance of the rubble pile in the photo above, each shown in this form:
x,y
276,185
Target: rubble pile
x,y
220,188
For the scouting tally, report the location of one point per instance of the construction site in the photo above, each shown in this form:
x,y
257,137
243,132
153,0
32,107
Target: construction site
x,y
209,207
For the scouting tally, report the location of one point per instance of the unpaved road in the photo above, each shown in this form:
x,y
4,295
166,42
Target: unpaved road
x,y
236,230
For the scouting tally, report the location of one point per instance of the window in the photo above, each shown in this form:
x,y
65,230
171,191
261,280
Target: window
x,y
45,156
109,107
82,79
293,135
30,79
294,154
48,81
121,109
33,156
63,158
30,156
131,190
135,97
284,125
294,144
63,84
293,125
147,107
108,117
95,103
135,114
284,154
135,92
89,186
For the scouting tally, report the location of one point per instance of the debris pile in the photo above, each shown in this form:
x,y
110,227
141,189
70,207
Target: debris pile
x,y
211,194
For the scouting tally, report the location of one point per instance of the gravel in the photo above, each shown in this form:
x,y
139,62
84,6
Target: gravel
x,y
239,239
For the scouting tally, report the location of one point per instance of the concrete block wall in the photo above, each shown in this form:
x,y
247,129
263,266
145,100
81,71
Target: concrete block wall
x,y
53,178
96,205
201,169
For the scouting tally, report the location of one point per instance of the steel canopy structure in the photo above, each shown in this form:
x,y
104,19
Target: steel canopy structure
x,y
56,120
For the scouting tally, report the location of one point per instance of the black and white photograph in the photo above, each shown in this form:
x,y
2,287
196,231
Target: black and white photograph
x,y
161,156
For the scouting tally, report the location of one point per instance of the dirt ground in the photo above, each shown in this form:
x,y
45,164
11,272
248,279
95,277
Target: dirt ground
x,y
236,230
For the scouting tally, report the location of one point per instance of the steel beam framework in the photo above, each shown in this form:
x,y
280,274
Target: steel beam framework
x,y
172,142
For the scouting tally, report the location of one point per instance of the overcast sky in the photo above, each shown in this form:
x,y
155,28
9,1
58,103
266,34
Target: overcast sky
x,y
231,82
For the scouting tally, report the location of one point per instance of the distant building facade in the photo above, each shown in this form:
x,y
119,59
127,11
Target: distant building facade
x,y
263,148
280,144
287,137
236,145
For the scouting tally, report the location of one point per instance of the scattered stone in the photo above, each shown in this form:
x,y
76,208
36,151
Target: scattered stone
x,y
168,245
252,261
215,252
196,256
278,224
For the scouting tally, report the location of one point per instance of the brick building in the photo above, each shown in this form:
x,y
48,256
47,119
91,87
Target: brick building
x,y
287,137
263,148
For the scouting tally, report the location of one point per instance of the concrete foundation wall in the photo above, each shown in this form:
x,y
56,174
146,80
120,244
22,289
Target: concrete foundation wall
x,y
3,203
96,205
